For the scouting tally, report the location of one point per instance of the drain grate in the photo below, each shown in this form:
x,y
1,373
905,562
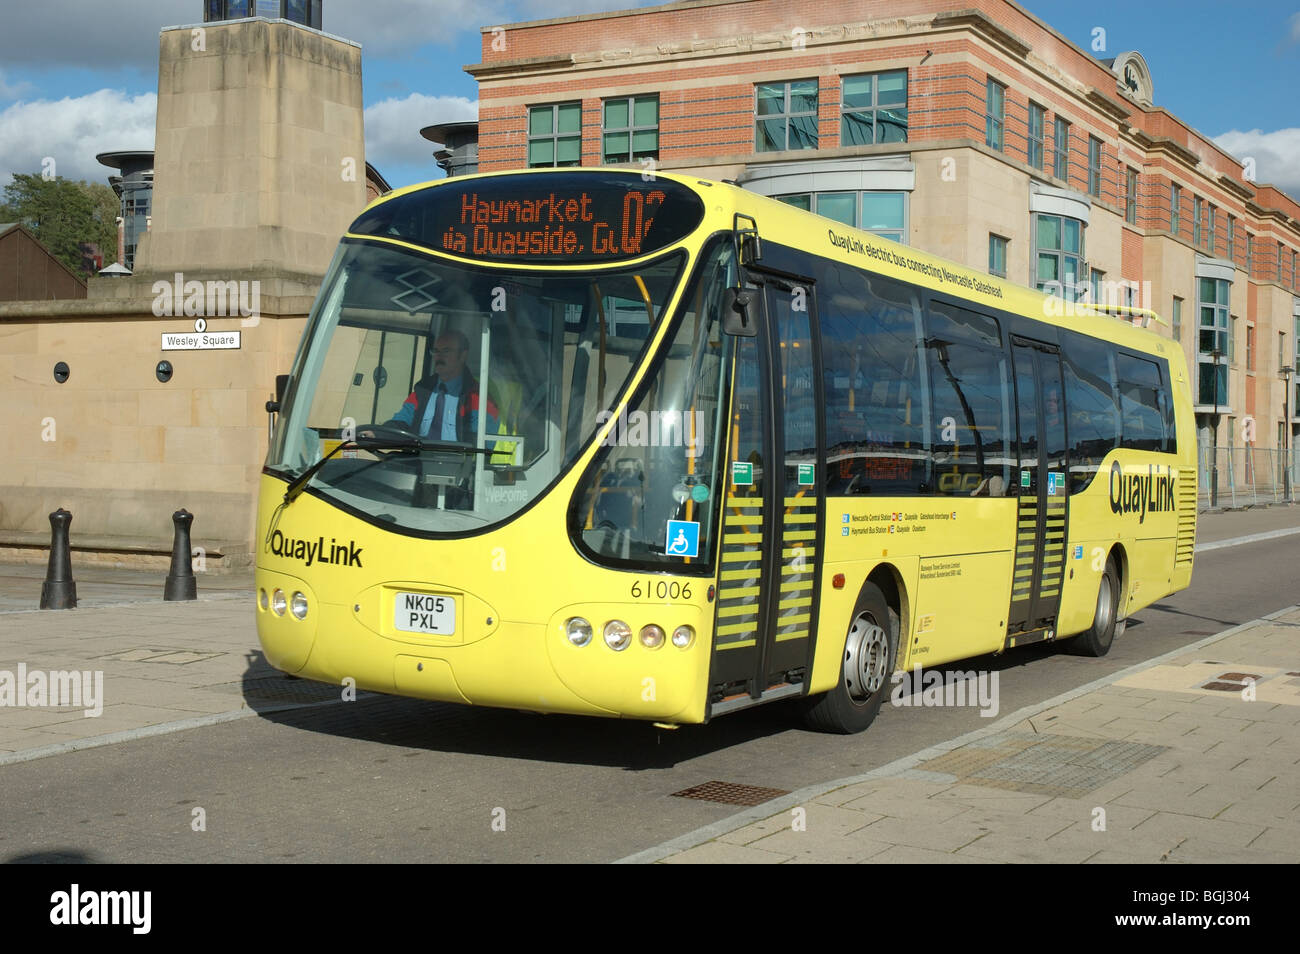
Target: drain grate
x,y
731,793
1043,764
1231,681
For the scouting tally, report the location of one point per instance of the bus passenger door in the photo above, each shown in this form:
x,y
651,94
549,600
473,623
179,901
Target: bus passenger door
x,y
1041,487
772,508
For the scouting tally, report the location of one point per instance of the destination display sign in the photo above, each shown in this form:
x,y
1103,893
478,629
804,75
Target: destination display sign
x,y
583,217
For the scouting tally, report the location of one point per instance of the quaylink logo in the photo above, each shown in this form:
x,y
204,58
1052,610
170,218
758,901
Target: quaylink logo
x,y
938,690
315,551
1152,492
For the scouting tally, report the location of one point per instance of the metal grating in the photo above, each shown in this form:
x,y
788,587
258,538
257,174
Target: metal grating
x,y
1043,764
731,793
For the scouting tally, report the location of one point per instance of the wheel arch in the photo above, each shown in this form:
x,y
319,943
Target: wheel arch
x,y
886,578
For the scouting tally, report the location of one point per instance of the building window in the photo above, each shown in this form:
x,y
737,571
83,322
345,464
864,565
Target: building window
x,y
1250,254
1130,195
1059,245
874,108
1197,211
1175,207
1232,238
1098,279
1177,319
555,135
1061,150
785,116
1212,377
630,129
997,255
1250,347
1037,131
1213,246
1279,263
884,213
994,114
1094,166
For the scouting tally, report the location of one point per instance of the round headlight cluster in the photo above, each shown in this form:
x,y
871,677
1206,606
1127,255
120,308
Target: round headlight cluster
x,y
263,600
298,606
278,602
618,634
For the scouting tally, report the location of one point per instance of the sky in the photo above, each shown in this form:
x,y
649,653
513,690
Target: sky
x,y
1231,71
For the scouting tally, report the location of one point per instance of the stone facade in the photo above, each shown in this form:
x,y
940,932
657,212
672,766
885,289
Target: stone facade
x,y
259,168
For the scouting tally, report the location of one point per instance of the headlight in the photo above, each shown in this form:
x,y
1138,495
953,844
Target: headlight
x,y
262,599
578,630
683,636
278,602
298,605
618,635
652,636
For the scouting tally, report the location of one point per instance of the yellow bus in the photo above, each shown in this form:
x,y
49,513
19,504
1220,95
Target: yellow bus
x,y
588,441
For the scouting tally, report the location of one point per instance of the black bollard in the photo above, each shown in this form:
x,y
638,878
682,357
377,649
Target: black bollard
x,y
59,591
181,584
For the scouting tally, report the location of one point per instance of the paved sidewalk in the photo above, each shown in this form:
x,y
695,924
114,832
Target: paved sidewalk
x,y
1191,757
164,666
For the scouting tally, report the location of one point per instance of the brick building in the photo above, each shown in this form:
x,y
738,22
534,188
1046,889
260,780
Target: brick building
x,y
979,134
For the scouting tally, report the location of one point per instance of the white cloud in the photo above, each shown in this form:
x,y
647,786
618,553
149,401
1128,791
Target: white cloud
x,y
13,90
393,129
1276,155
72,130
1295,27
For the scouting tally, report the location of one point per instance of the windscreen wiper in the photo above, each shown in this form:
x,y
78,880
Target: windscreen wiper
x,y
402,444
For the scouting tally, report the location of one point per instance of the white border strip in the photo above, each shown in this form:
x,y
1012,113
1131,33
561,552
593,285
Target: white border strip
x,y
1252,538
901,765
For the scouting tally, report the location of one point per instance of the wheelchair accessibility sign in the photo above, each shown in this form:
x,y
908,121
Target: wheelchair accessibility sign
x,y
683,538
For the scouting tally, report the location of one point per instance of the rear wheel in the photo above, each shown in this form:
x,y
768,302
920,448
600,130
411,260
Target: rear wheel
x,y
1105,623
870,648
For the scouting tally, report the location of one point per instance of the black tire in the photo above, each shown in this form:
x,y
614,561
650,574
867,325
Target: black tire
x,y
1097,640
869,654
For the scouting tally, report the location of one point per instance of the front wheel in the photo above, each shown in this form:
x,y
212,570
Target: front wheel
x,y
1097,640
870,648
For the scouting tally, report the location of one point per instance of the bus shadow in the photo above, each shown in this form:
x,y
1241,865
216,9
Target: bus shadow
x,y
505,733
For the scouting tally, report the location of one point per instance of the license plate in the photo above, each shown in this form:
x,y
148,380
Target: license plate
x,y
425,613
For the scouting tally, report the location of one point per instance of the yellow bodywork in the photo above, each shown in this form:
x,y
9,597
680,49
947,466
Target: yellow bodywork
x,y
515,586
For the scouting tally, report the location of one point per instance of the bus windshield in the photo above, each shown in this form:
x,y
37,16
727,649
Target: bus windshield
x,y
471,389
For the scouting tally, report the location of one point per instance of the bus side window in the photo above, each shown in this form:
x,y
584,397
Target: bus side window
x,y
1092,414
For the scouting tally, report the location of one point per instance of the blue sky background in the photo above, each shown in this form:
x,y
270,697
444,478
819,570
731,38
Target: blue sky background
x,y
1231,71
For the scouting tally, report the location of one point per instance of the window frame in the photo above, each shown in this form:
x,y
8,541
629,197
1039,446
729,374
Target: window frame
x,y
1061,254
1000,244
1061,148
992,124
785,115
1036,144
1096,156
1198,212
1130,195
631,129
1175,208
876,107
554,136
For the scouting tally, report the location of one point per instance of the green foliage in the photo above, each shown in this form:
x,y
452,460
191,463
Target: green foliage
x,y
62,214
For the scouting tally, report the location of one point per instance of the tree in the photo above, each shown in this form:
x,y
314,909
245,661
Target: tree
x,y
62,214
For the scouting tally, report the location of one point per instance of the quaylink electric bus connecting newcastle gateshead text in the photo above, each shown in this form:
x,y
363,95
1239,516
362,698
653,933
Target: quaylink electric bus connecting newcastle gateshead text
x,y
575,441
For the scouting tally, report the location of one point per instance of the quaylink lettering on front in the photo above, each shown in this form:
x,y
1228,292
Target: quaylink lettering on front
x,y
314,551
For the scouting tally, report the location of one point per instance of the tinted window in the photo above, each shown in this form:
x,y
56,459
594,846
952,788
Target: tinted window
x,y
1142,401
970,403
875,418
1091,406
